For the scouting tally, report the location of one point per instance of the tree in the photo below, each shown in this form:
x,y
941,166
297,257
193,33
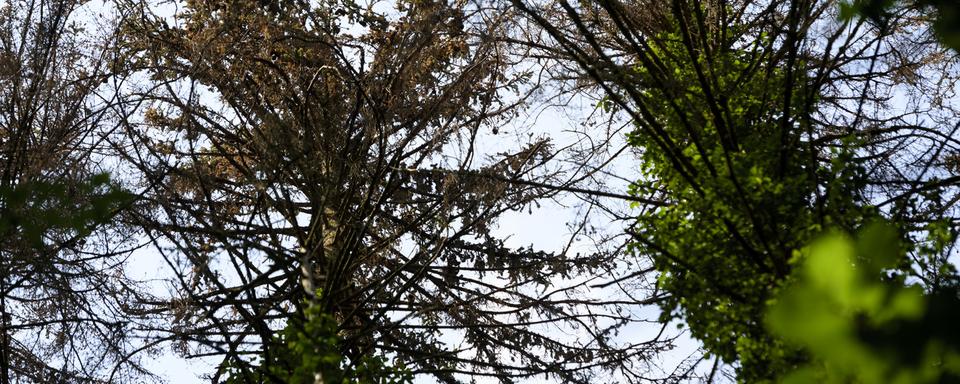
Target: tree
x,y
314,175
764,124
296,147
308,351
64,294
943,16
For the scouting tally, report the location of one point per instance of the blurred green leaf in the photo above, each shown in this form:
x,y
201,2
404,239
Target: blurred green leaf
x,y
859,327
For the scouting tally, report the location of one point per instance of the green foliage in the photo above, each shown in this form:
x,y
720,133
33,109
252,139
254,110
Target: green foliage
x,y
36,210
741,202
857,323
747,190
308,351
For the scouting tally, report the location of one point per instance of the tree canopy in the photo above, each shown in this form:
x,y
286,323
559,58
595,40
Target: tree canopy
x,y
320,190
